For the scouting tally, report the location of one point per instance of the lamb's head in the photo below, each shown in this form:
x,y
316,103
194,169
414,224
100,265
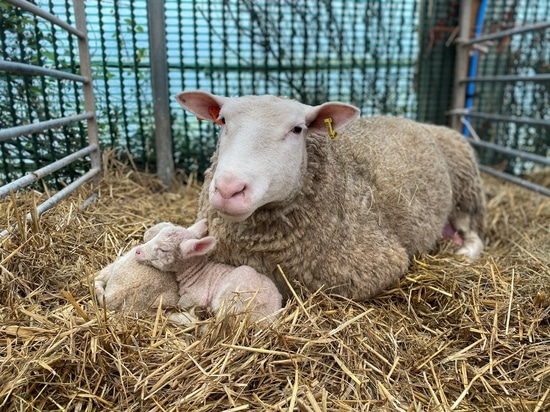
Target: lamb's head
x,y
171,247
262,154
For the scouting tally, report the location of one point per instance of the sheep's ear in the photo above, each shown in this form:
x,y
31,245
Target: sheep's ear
x,y
197,247
199,228
204,105
341,114
154,230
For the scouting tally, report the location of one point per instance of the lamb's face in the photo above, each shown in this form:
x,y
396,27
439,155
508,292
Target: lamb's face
x,y
163,250
262,154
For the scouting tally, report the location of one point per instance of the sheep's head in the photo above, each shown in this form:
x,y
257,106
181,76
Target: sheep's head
x,y
262,154
169,248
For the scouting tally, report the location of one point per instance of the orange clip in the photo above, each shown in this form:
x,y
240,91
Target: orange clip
x,y
215,113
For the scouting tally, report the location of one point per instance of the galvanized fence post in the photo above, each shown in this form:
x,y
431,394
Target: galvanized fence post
x,y
161,95
461,61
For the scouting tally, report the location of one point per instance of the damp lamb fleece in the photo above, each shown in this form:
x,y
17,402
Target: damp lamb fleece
x,y
127,285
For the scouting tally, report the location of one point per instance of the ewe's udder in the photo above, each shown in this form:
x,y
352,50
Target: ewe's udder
x,y
449,232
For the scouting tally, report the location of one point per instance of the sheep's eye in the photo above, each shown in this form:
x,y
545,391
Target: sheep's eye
x,y
163,250
221,120
297,129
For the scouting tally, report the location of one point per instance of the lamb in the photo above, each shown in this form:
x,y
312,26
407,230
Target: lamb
x,y
182,251
346,214
127,285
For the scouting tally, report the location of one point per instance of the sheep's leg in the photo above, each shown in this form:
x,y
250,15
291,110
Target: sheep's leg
x,y
472,245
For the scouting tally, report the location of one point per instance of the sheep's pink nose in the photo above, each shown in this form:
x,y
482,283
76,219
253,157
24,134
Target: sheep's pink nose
x,y
229,187
138,251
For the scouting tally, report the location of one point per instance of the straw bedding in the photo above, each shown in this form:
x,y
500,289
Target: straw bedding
x,y
448,336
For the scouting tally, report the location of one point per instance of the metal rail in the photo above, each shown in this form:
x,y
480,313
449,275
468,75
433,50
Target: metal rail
x,y
517,180
55,199
511,152
501,118
17,131
507,78
25,5
45,171
31,70
506,33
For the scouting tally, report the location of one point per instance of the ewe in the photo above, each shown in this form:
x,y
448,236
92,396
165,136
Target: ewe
x,y
345,213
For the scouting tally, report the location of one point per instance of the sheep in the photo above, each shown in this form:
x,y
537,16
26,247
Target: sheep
x,y
127,285
221,288
346,212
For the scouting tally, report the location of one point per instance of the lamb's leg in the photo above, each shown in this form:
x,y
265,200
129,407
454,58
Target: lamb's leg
x,y
99,291
184,318
100,282
472,245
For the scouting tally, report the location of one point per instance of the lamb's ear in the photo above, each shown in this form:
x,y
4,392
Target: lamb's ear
x,y
341,114
154,230
204,105
197,247
199,228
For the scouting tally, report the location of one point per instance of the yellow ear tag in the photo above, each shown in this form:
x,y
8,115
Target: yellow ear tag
x,y
331,132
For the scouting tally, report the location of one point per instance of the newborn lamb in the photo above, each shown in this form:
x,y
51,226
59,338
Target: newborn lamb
x,y
126,284
175,249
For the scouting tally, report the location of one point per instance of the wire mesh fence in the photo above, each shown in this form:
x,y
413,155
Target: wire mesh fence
x,y
395,57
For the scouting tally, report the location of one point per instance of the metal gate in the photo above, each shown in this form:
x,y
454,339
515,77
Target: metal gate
x,y
23,132
468,51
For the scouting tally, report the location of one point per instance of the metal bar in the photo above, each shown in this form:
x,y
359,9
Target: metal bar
x,y
500,118
517,180
55,199
161,94
510,32
22,68
46,170
25,5
507,78
87,88
348,65
511,152
461,61
6,134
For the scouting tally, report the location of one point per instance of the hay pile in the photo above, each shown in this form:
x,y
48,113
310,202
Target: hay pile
x,y
449,336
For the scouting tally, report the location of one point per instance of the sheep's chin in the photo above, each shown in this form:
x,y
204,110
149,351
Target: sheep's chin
x,y
235,218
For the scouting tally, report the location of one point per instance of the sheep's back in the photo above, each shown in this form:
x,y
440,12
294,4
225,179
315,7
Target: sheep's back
x,y
402,164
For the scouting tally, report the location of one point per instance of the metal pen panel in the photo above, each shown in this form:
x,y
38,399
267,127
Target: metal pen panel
x,y
37,132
